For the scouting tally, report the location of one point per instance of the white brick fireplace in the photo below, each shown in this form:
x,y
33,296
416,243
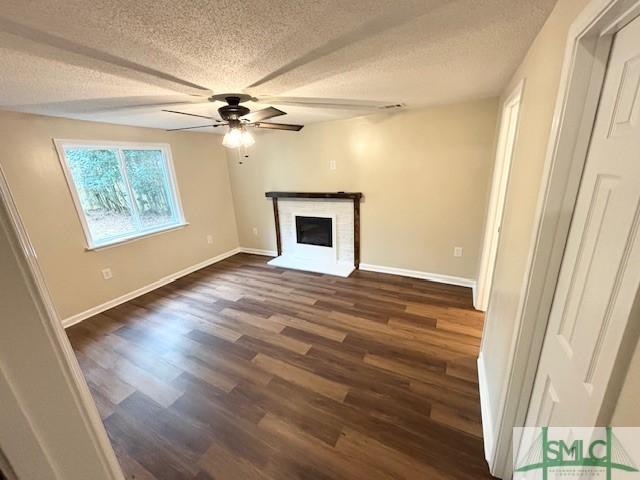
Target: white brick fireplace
x,y
316,234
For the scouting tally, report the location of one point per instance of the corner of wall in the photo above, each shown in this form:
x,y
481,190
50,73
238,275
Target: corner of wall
x,y
232,196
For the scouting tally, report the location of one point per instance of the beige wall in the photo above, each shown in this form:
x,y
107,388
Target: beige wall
x,y
424,174
541,72
36,180
627,413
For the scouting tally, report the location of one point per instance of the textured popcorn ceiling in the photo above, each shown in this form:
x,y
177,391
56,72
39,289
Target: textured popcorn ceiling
x,y
86,59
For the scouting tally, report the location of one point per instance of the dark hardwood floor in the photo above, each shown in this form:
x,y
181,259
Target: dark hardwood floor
x,y
245,371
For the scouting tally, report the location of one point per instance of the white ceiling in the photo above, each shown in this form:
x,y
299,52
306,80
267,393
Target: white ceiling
x,y
86,59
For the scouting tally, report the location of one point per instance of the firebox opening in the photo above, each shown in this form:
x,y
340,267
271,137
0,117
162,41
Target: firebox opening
x,y
314,231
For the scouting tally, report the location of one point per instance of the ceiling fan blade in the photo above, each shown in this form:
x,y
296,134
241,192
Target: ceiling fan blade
x,y
192,115
278,126
329,103
263,114
191,128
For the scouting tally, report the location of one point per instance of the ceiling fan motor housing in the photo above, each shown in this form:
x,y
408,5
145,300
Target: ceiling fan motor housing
x,y
233,111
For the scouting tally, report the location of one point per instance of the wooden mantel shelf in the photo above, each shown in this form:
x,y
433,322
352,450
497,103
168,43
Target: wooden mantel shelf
x,y
343,195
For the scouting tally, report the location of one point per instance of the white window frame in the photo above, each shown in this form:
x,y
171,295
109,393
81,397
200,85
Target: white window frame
x,y
61,144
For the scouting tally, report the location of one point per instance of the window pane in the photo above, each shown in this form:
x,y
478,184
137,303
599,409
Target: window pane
x,y
147,172
102,191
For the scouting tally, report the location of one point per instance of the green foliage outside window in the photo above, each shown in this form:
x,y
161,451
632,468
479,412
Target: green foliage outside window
x,y
122,190
145,169
98,180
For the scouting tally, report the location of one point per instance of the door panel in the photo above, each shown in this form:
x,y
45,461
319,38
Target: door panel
x,y
600,271
627,108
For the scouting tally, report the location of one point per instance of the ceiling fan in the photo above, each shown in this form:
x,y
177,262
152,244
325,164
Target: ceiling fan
x,y
238,117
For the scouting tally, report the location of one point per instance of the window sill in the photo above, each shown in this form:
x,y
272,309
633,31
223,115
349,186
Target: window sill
x,y
134,238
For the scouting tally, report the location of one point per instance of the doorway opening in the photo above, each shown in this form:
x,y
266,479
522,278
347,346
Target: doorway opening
x,y
504,153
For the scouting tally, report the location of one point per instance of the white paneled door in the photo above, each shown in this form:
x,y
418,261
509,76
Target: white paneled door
x,y
600,273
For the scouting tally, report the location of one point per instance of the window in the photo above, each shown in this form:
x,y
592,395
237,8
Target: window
x,y
121,191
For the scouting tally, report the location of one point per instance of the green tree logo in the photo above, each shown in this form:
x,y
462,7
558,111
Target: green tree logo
x,y
545,453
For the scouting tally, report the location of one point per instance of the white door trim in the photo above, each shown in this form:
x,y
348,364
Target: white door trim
x,y
504,153
583,70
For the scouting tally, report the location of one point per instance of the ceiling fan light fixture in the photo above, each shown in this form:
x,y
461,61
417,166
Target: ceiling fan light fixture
x,y
233,138
238,137
247,139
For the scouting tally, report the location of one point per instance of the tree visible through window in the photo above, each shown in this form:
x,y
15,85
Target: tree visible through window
x,y
121,192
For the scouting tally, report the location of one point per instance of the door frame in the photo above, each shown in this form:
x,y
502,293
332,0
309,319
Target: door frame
x,y
94,435
583,70
504,154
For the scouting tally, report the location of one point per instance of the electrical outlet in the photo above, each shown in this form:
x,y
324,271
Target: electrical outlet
x,y
332,164
210,239
255,231
106,273
457,251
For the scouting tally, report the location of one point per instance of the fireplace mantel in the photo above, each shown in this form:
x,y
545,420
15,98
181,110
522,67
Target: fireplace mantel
x,y
343,195
354,197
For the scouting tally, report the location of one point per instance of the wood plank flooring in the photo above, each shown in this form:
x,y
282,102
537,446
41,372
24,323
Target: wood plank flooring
x,y
246,371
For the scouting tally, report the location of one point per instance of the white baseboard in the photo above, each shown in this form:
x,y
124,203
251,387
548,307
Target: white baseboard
x,y
475,297
257,251
77,318
433,277
485,409
69,321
